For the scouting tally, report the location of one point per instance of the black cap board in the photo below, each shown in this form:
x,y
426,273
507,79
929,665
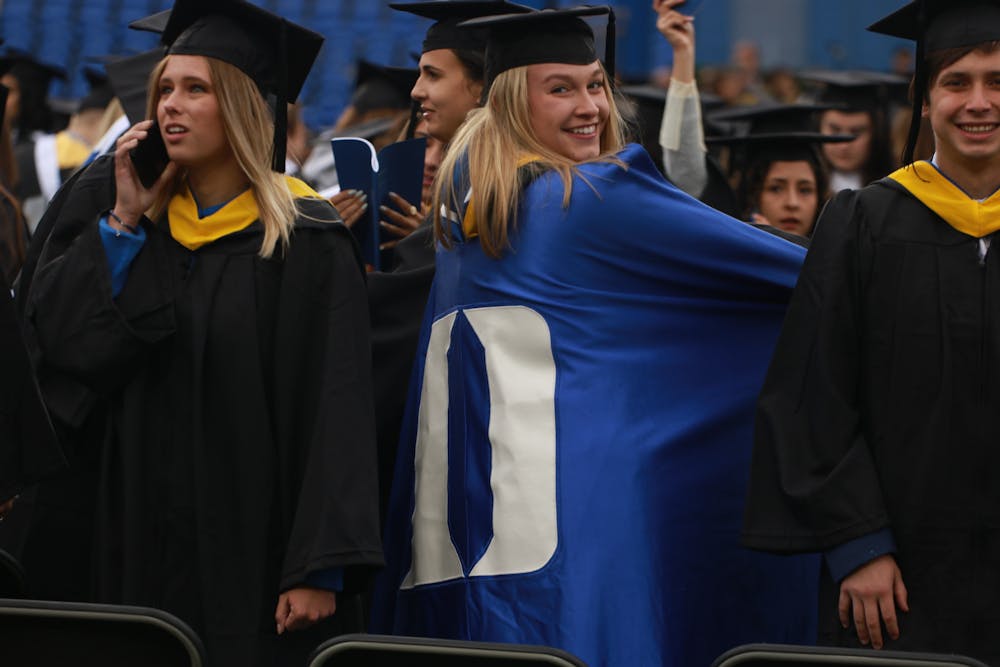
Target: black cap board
x,y
943,24
129,78
99,95
857,90
935,25
274,52
774,132
382,87
153,23
546,36
24,64
770,118
447,14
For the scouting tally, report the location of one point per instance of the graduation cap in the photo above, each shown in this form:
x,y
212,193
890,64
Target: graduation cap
x,y
33,76
100,93
546,36
447,14
129,78
382,87
857,90
935,25
649,101
774,132
655,97
154,23
769,119
274,52
25,65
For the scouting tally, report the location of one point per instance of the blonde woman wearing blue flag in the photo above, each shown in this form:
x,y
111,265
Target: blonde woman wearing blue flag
x,y
573,460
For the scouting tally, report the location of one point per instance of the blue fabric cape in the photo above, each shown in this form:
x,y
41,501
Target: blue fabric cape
x,y
617,348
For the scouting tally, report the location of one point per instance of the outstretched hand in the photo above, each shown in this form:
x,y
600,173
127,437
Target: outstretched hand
x,y
870,596
678,28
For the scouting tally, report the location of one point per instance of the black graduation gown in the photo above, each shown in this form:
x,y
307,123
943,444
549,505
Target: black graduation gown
x,y
13,237
56,517
880,410
238,446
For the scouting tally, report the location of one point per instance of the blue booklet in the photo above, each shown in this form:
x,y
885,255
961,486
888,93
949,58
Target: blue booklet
x,y
398,168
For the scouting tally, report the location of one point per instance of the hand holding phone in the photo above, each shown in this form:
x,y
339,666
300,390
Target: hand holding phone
x,y
150,157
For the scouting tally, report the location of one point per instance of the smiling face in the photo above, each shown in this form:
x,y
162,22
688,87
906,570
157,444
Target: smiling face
x,y
445,93
188,112
964,111
790,198
569,108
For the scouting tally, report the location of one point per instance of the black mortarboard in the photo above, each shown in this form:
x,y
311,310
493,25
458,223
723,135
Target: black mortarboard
x,y
649,101
943,24
382,87
774,132
769,119
129,79
34,77
153,23
99,94
23,64
274,52
447,14
935,25
656,97
546,36
856,90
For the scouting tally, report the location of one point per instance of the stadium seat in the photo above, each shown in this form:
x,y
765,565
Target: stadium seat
x,y
780,655
11,576
36,633
387,651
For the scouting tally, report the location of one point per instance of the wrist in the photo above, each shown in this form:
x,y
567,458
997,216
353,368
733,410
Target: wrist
x,y
125,222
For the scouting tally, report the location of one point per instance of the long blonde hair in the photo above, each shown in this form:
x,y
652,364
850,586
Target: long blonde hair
x,y
249,131
496,138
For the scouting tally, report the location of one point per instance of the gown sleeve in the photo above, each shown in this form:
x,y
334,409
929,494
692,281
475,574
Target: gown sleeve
x,y
813,481
84,341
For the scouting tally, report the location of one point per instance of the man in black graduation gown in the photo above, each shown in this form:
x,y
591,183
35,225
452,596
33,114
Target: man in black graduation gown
x,y
877,429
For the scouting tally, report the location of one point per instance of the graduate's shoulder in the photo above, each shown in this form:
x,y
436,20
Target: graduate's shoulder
x,y
886,212
315,213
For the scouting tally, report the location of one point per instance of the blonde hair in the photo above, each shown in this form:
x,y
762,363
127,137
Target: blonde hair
x,y
249,132
495,139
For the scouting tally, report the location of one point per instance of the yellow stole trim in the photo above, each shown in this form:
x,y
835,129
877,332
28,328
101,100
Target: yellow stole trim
x,y
936,192
70,151
193,232
470,229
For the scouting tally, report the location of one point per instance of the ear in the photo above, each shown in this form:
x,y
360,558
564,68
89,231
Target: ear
x,y
925,109
476,88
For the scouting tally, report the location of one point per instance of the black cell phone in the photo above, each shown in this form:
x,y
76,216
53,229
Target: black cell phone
x,y
150,157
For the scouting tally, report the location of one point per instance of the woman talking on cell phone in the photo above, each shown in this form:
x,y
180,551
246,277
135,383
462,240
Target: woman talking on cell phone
x,y
215,326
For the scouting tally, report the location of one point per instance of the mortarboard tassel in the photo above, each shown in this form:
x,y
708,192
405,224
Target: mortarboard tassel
x,y
281,102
